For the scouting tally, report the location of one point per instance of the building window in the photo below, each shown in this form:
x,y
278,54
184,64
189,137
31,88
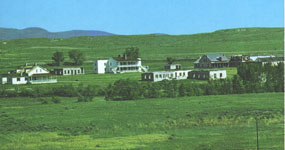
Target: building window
x,y
68,72
215,75
156,76
180,74
149,76
18,79
36,70
193,75
78,71
183,73
221,75
145,76
160,76
64,71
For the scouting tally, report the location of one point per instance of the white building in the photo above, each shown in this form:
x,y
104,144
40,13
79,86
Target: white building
x,y
208,75
28,74
172,67
119,65
165,75
100,66
254,58
68,71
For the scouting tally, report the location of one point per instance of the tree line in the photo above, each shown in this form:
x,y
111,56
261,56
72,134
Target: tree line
x,y
251,78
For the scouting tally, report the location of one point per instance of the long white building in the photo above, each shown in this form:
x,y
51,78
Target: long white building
x,y
119,65
165,75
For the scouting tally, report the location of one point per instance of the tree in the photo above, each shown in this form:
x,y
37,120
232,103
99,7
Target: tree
x,y
169,60
132,52
86,94
181,90
238,87
58,58
76,56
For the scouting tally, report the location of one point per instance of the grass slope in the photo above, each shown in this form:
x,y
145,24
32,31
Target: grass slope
x,y
205,122
153,48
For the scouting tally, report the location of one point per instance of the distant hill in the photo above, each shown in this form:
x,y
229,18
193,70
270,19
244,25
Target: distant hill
x,y
10,34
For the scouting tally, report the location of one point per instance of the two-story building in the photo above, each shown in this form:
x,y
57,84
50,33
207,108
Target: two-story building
x,y
212,61
120,64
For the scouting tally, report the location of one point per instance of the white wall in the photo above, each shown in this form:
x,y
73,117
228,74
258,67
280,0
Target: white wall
x,y
178,75
75,71
100,66
4,80
22,80
218,74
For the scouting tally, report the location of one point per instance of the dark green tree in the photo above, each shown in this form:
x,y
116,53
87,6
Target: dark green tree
x,y
238,87
169,60
181,90
76,56
86,94
132,52
58,58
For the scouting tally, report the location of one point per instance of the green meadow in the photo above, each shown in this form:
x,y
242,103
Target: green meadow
x,y
203,122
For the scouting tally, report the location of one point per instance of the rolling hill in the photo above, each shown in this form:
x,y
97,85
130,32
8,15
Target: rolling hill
x,y
153,47
9,34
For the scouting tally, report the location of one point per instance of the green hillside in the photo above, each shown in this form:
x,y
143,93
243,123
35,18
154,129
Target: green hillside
x,y
219,122
255,41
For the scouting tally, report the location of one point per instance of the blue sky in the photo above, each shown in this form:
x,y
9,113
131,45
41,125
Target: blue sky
x,y
141,16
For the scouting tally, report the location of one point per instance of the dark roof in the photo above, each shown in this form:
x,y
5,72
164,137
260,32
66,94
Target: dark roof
x,y
214,58
270,59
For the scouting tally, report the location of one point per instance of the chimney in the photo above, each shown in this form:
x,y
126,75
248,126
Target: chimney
x,y
125,56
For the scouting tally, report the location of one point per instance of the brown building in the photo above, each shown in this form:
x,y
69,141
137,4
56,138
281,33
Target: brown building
x,y
212,61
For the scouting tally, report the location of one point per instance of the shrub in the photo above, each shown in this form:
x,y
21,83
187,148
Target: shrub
x,y
55,100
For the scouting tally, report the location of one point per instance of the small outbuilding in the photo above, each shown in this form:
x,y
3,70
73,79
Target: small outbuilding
x,y
172,67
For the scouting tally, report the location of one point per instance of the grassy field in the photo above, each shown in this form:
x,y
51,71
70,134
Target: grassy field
x,y
153,48
204,122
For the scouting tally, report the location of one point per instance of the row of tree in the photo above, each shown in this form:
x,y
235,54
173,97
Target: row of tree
x,y
251,78
83,92
76,56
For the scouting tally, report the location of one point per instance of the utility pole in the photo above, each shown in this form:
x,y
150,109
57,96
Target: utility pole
x,y
257,142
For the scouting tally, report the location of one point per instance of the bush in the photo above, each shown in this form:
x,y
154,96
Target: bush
x,y
85,94
55,100
43,101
